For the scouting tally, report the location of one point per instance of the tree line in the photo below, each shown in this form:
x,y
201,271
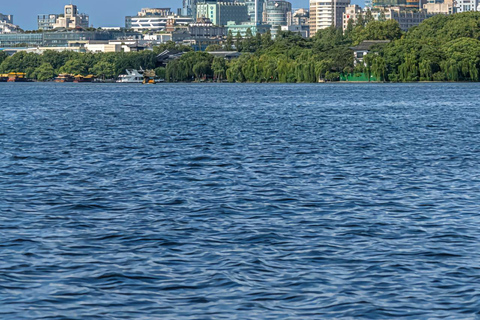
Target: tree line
x,y
442,48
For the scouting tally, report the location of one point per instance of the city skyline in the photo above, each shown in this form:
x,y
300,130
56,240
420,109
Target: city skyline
x,y
100,12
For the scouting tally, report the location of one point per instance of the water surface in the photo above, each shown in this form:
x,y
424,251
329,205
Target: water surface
x,y
239,201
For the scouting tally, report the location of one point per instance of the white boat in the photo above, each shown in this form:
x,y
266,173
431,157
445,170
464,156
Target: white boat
x,y
132,76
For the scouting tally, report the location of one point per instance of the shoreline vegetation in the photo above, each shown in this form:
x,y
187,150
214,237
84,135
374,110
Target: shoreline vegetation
x,y
442,48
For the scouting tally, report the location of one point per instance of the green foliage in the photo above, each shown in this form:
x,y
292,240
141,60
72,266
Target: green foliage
x,y
3,56
442,48
378,30
104,69
171,45
190,66
160,72
219,67
74,67
214,47
44,72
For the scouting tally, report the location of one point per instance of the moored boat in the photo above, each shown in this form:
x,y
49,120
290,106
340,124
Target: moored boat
x,y
17,77
79,78
132,76
64,77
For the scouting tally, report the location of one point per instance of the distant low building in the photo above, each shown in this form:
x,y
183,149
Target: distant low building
x,y
446,7
205,28
243,27
220,13
410,4
303,30
62,38
361,50
406,18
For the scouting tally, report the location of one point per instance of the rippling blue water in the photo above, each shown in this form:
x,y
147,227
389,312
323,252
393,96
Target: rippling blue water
x,y
239,201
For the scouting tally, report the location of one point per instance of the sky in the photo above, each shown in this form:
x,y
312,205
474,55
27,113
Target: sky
x,y
103,13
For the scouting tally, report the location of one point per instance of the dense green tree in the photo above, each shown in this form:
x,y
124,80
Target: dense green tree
x,y
160,72
214,47
219,67
74,67
229,41
103,69
44,72
3,56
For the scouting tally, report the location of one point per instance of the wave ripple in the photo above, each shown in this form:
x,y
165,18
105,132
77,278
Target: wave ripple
x,y
183,202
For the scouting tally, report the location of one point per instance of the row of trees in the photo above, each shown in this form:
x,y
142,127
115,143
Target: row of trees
x,y
49,64
442,48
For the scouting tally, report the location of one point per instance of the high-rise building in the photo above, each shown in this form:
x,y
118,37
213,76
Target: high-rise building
x,y
352,12
254,6
326,13
189,8
300,17
220,13
47,21
277,13
6,24
70,19
155,19
466,5
7,18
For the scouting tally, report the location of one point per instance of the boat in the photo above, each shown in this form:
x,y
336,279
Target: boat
x,y
149,77
80,78
4,77
132,76
17,77
64,77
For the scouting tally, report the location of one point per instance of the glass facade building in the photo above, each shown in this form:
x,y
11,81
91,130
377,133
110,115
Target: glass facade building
x,y
60,39
277,13
46,21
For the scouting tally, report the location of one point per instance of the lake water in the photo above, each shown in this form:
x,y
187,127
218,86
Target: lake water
x,y
190,201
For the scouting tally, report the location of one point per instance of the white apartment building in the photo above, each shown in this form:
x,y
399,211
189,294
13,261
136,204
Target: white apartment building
x,y
351,13
326,13
155,23
467,5
6,27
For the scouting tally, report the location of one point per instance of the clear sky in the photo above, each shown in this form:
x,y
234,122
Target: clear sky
x,y
103,13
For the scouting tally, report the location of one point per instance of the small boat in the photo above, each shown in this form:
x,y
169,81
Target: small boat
x,y
17,77
79,78
4,77
149,77
64,77
132,76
